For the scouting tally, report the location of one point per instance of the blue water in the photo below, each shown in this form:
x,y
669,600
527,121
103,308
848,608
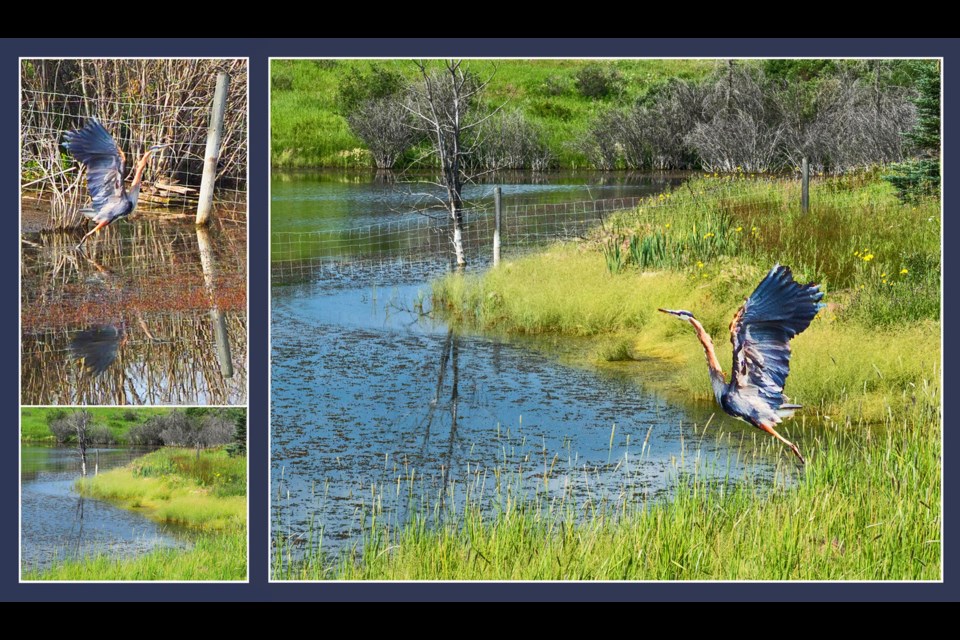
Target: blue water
x,y
58,524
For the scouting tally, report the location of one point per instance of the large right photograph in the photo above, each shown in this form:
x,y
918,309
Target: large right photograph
x,y
606,319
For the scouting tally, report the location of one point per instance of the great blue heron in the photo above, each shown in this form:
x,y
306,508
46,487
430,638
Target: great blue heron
x,y
105,162
778,309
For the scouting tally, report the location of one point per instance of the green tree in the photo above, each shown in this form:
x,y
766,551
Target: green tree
x,y
239,445
920,177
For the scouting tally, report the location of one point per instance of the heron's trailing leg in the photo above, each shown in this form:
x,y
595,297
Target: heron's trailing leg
x,y
93,231
779,437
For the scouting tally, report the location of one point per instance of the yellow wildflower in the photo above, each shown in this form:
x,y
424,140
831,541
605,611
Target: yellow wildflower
x,y
668,225
903,272
708,235
868,257
699,265
739,229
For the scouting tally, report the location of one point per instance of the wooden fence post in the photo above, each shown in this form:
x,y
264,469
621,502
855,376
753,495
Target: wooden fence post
x,y
805,186
212,154
496,225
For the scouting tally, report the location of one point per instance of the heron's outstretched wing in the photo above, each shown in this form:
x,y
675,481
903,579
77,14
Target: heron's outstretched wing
x,y
761,330
96,149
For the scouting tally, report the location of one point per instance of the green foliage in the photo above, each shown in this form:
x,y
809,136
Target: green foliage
x,y
614,254
858,511
308,128
359,85
35,421
877,259
597,81
239,445
214,556
792,71
917,179
207,491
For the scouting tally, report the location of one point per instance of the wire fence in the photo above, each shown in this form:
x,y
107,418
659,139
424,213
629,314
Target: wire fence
x,y
417,245
141,103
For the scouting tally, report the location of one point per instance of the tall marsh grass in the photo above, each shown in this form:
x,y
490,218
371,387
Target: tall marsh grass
x,y
178,486
855,512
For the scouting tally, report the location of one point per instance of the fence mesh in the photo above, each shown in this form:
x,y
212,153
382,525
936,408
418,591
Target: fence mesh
x,y
140,103
419,245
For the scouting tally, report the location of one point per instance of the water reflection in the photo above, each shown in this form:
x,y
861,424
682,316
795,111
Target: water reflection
x,y
217,319
153,314
59,524
96,348
377,408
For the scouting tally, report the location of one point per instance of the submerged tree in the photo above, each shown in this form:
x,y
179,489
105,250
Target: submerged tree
x,y
444,105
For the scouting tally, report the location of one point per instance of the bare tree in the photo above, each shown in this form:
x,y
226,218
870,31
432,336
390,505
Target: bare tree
x,y
443,103
384,125
82,422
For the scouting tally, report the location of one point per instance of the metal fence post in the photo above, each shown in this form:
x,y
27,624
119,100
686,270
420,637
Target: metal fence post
x,y
496,225
212,153
805,185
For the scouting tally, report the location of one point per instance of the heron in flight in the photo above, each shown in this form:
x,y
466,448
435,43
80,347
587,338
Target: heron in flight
x,y
96,149
777,310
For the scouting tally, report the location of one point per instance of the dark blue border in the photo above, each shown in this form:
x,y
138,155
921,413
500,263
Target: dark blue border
x,y
259,50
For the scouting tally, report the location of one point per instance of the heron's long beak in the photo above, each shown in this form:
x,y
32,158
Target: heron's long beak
x,y
673,313
160,146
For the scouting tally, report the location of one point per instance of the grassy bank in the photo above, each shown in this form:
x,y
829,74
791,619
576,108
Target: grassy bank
x,y
35,421
207,494
307,130
867,504
862,359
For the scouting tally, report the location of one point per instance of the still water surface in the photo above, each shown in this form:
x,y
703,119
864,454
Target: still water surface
x,y
377,406
57,523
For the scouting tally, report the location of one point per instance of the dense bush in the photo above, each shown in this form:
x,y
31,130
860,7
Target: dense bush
x,y
148,433
62,429
509,141
386,128
596,81
741,119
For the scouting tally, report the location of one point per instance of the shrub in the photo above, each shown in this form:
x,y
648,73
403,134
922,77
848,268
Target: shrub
x,y
596,81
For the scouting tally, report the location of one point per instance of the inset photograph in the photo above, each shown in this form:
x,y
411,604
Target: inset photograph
x,y
606,320
133,231
133,494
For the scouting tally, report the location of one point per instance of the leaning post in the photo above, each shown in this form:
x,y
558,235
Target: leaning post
x,y
212,154
496,225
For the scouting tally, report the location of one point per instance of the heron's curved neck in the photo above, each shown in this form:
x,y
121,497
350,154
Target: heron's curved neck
x,y
717,379
138,175
134,193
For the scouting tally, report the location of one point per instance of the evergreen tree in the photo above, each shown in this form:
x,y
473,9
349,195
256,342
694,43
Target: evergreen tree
x,y
921,177
239,445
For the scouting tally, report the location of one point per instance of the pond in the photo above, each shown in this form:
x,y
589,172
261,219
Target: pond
x,y
379,409
150,312
58,524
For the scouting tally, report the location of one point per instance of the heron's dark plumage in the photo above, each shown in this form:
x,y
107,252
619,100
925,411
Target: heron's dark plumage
x,y
95,148
777,310
96,347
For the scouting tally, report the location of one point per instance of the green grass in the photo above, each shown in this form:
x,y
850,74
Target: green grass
x,y
207,494
868,351
33,420
866,506
307,132
217,556
173,485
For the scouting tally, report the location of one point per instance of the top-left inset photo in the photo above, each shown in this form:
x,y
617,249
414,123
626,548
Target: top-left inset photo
x,y
133,231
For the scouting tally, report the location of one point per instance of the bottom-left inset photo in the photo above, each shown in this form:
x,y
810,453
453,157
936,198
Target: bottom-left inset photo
x,y
134,494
